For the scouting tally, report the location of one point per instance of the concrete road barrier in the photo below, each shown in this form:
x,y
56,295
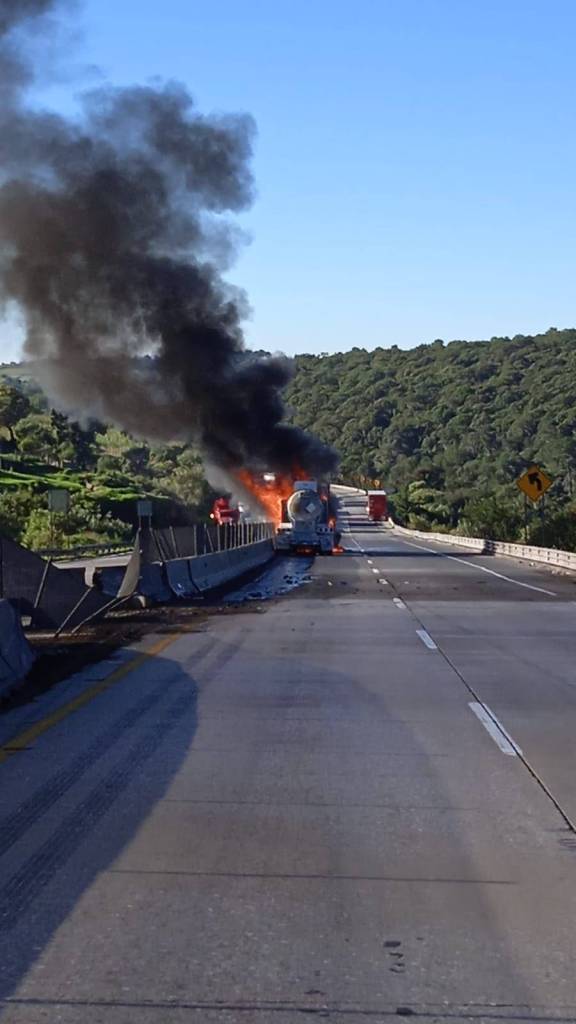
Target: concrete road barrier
x,y
179,578
209,572
161,581
152,583
16,655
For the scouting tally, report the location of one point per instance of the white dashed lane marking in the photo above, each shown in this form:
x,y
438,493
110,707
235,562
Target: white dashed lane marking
x,y
496,730
399,602
426,639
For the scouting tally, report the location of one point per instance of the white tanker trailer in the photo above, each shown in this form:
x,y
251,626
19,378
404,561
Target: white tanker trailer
x,y
309,526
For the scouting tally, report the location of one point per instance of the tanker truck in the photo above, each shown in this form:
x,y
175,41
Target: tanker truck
x,y
309,522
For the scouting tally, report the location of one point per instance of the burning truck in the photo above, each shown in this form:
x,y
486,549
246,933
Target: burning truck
x,y
303,510
309,521
224,513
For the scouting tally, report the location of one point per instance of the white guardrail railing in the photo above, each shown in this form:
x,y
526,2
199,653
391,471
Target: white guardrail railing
x,y
530,552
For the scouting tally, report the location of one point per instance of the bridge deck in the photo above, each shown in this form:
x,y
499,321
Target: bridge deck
x,y
349,802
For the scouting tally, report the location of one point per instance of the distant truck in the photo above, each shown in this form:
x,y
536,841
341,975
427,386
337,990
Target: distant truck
x,y
377,507
223,513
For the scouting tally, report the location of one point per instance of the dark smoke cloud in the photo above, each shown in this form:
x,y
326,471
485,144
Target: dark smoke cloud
x,y
112,242
12,12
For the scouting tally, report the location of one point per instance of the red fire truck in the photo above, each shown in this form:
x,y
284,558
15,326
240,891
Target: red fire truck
x,y
377,507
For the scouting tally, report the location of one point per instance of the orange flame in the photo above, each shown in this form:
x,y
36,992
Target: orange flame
x,y
270,493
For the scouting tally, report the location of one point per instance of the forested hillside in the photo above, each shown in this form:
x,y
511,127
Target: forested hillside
x,y
445,428
104,470
448,427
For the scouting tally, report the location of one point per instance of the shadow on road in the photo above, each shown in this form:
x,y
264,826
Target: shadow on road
x,y
330,782
71,826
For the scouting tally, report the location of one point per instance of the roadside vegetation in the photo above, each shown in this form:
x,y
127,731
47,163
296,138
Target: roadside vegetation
x,y
447,429
104,470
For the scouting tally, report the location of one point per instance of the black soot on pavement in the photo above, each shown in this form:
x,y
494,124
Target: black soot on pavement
x,y
284,575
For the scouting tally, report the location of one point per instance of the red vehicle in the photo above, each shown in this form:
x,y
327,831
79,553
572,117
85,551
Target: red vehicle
x,y
223,513
377,507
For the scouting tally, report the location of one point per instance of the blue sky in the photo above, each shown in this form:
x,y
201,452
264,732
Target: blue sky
x,y
415,159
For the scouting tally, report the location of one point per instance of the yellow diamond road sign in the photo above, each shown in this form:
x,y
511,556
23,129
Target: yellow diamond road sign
x,y
534,482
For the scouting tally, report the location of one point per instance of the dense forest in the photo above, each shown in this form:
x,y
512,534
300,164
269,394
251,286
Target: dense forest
x,y
445,428
104,470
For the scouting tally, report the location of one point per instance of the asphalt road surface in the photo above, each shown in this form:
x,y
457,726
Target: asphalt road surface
x,y
351,803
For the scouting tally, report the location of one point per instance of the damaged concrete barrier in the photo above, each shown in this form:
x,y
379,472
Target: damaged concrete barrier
x,y
158,582
43,593
16,655
179,579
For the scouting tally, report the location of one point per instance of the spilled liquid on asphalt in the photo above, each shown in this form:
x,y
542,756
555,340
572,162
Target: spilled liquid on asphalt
x,y
284,575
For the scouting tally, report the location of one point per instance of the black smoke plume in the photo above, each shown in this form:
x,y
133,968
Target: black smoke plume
x,y
113,238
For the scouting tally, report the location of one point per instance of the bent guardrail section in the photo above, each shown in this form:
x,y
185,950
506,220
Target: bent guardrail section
x,y
16,655
64,599
160,580
45,596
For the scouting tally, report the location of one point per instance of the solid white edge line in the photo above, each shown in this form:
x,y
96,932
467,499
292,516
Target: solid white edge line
x,y
398,602
496,730
528,586
426,639
492,572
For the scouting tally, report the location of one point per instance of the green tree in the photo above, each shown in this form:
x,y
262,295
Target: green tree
x,y
83,525
464,418
14,406
44,530
187,482
492,518
36,436
83,449
136,459
556,530
16,505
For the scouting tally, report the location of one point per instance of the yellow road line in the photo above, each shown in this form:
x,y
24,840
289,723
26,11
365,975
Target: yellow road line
x,y
28,736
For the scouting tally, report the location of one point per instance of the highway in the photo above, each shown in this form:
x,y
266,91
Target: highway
x,y
351,803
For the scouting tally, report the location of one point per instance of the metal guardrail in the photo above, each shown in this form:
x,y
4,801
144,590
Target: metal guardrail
x,y
529,552
85,550
200,539
226,537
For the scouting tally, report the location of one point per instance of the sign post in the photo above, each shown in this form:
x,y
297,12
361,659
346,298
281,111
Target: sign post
x,y
144,509
525,518
58,501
